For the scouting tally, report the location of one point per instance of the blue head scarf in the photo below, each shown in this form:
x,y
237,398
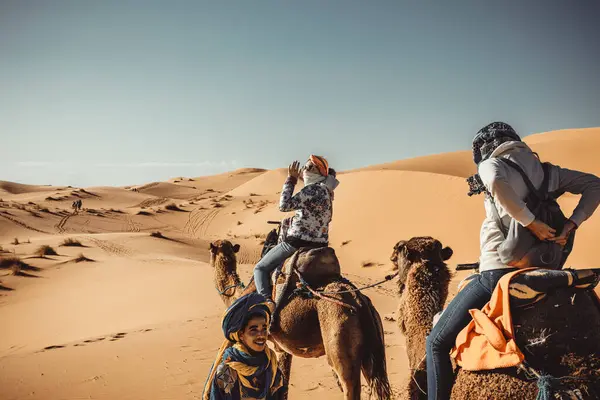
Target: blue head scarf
x,y
237,315
252,369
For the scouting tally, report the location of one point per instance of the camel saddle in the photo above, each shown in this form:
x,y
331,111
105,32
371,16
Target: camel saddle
x,y
317,266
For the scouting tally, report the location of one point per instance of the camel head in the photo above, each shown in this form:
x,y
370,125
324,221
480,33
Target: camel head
x,y
417,250
222,254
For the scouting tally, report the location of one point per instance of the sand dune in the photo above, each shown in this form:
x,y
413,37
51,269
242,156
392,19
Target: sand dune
x,y
19,188
142,319
456,164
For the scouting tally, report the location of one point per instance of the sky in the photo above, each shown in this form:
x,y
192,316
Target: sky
x,y
128,92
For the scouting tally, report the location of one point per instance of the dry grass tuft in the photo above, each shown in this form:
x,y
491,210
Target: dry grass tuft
x,y
71,243
82,258
15,264
172,207
45,250
157,234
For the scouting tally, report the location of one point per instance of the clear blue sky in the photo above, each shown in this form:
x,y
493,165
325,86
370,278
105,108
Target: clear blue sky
x,y
124,92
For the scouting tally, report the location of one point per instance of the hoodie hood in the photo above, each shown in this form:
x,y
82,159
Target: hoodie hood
x,y
511,147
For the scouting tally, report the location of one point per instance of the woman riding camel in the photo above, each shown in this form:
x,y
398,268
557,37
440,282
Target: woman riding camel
x,y
505,193
309,227
245,367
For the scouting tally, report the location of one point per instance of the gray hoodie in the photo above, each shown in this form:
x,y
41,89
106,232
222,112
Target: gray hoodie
x,y
509,192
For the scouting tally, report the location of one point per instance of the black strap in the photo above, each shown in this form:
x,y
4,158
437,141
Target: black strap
x,y
541,194
496,216
530,186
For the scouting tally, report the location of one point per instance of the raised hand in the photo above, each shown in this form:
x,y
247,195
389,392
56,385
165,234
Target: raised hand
x,y
294,170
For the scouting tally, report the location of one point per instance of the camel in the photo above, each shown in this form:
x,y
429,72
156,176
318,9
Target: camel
x,y
352,340
414,315
559,336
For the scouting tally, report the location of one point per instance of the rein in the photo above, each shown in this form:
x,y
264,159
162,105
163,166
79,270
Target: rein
x,y
321,294
239,284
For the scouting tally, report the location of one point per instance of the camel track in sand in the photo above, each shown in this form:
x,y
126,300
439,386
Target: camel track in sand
x,y
110,247
199,221
132,226
152,202
24,225
61,224
248,255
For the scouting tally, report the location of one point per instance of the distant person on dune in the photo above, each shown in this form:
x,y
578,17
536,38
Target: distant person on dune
x,y
497,148
245,367
309,227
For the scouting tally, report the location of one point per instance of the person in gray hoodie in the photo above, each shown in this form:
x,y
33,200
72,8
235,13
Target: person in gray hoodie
x,y
505,189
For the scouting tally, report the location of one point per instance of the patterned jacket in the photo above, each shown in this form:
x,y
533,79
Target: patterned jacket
x,y
313,211
226,386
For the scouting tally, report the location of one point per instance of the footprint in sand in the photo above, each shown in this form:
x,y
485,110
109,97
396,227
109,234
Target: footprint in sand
x,y
118,336
94,340
54,347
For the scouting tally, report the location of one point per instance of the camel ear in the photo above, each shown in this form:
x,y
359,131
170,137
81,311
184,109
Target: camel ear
x,y
236,248
447,253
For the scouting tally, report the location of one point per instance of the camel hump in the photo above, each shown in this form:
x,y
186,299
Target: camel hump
x,y
318,266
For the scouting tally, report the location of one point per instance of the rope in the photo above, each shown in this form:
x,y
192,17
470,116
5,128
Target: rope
x,y
386,279
319,295
547,384
239,284
414,373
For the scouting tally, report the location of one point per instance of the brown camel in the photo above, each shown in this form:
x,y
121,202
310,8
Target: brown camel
x,y
351,339
420,278
559,336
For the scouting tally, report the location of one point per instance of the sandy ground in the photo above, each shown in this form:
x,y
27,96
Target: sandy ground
x,y
142,319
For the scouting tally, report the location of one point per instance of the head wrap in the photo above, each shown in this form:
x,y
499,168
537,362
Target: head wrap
x,y
237,315
490,137
321,164
236,355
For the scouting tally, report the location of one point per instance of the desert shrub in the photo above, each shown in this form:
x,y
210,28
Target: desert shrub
x,y
70,242
172,207
45,250
15,264
82,258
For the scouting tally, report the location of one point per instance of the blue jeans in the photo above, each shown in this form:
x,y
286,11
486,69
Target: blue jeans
x,y
442,338
267,264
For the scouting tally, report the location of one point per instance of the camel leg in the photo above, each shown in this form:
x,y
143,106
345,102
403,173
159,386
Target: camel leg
x,y
342,340
284,361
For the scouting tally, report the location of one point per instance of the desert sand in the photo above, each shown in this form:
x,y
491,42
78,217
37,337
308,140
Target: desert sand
x,y
139,317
